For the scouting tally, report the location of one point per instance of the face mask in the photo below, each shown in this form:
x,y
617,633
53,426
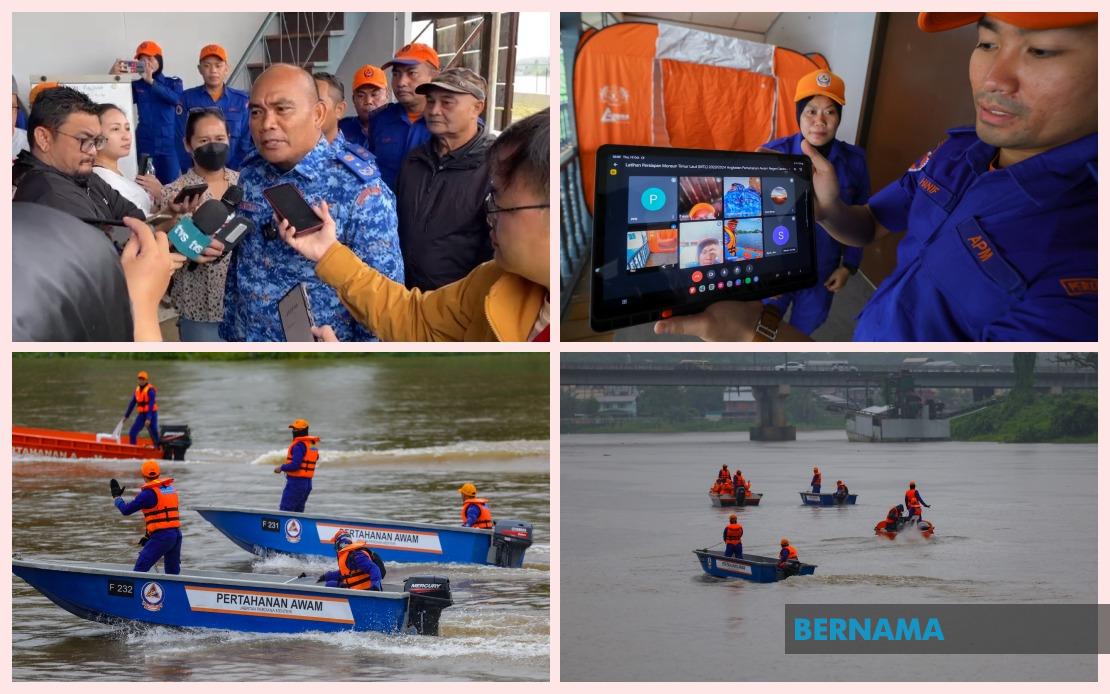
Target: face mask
x,y
212,156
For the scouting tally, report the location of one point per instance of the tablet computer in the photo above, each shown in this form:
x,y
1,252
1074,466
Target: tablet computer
x,y
296,315
677,229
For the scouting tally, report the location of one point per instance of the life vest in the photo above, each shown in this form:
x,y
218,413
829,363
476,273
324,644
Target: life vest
x,y
164,514
352,578
733,533
791,553
722,474
911,499
311,455
142,398
726,487
894,514
816,478
738,481
485,518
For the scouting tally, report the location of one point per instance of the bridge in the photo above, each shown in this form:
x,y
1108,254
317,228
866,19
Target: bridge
x,y
771,385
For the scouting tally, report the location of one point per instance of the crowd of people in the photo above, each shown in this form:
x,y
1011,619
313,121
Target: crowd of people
x,y
433,226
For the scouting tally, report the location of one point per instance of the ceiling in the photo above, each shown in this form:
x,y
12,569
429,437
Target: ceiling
x,y
754,22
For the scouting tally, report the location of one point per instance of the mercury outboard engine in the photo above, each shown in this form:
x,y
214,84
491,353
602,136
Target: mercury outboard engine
x,y
510,539
175,441
428,596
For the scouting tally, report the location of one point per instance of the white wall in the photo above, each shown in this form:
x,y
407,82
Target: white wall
x,y
379,36
842,37
88,43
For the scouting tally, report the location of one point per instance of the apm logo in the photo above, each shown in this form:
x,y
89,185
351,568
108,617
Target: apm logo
x,y
613,98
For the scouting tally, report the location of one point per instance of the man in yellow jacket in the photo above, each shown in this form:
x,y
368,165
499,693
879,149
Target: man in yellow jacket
x,y
506,299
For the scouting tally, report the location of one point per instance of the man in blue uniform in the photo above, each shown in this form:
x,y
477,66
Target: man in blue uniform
x,y
215,93
299,467
359,569
369,92
398,128
162,513
1000,219
286,116
158,102
145,398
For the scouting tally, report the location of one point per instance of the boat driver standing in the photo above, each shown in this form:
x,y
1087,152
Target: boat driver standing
x,y
144,400
299,467
158,502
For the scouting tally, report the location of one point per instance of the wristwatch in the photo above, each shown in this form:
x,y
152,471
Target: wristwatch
x,y
768,326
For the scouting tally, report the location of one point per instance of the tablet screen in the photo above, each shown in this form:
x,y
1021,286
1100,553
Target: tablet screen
x,y
676,229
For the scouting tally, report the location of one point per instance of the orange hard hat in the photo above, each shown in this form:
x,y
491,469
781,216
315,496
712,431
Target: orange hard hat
x,y
943,21
784,542
820,82
299,424
732,518
414,54
143,375
150,470
39,89
213,50
368,75
148,48
468,489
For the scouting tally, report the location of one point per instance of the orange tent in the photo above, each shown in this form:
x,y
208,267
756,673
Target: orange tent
x,y
637,83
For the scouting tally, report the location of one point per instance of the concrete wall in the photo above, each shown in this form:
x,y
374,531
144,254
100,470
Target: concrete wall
x,y
88,43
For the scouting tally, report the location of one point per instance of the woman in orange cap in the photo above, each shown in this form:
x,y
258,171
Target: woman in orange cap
x,y
819,100
158,101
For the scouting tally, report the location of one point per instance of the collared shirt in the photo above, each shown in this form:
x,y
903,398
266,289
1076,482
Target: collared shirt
x,y
850,164
234,104
351,129
198,294
1008,254
262,271
392,137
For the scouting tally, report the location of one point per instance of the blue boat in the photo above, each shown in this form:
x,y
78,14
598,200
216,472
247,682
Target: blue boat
x,y
114,594
262,531
751,568
827,499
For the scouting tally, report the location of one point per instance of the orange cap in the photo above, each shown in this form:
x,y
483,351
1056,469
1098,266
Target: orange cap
x,y
213,49
368,75
299,424
148,48
143,375
820,82
39,89
150,469
732,518
413,54
943,21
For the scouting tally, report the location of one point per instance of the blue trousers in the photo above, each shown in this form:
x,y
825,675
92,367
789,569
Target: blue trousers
x,y
816,489
162,544
137,427
736,550
295,493
811,306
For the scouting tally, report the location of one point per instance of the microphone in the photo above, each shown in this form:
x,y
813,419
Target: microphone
x,y
213,219
232,197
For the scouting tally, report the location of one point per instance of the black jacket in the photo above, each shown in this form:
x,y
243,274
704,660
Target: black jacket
x,y
441,216
89,198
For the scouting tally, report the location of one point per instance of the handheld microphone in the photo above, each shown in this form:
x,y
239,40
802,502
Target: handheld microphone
x,y
191,235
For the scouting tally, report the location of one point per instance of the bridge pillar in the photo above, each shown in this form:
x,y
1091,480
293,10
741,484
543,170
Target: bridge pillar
x,y
772,414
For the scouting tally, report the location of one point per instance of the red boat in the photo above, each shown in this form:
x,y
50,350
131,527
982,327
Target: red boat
x,y
79,444
924,527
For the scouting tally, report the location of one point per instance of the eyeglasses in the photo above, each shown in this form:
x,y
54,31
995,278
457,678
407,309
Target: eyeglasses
x,y
95,143
492,209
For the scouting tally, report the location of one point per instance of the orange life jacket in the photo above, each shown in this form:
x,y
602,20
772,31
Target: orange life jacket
x,y
816,478
726,487
911,499
352,578
733,533
485,518
792,554
894,514
165,513
722,474
142,398
738,481
311,455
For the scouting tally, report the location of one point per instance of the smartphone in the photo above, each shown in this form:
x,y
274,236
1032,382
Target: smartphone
x,y
189,191
131,66
296,315
145,164
290,205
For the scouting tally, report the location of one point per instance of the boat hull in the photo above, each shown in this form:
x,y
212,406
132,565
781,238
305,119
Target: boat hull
x,y
729,500
262,531
924,529
751,568
80,444
113,593
826,499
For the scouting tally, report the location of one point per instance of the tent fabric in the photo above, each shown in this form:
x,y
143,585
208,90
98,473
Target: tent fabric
x,y
637,83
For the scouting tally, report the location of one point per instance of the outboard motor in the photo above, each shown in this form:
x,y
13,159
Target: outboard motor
x,y
175,441
428,596
510,539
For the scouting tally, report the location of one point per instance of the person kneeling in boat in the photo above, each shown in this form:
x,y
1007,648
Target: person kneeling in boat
x,y
145,400
299,467
841,492
359,568
788,558
475,511
894,519
160,507
914,502
816,481
733,534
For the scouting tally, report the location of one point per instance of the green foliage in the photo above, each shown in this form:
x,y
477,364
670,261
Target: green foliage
x,y
1028,418
1024,363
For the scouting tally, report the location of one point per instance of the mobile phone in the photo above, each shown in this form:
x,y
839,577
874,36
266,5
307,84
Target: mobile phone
x,y
296,315
131,66
145,164
678,229
189,191
290,205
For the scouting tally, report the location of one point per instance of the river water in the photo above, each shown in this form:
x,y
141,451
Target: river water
x,y
1015,523
398,437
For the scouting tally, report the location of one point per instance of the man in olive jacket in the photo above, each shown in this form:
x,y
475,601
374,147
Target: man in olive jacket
x,y
442,187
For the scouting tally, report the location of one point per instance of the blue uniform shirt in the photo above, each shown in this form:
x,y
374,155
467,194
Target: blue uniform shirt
x,y
1007,254
358,561
146,498
158,105
299,449
850,164
263,271
472,513
350,129
233,103
392,137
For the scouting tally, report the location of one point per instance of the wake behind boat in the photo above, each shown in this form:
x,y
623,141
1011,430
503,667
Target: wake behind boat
x,y
751,568
262,531
113,594
175,440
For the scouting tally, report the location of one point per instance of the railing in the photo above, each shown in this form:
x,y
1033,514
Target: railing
x,y
291,46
